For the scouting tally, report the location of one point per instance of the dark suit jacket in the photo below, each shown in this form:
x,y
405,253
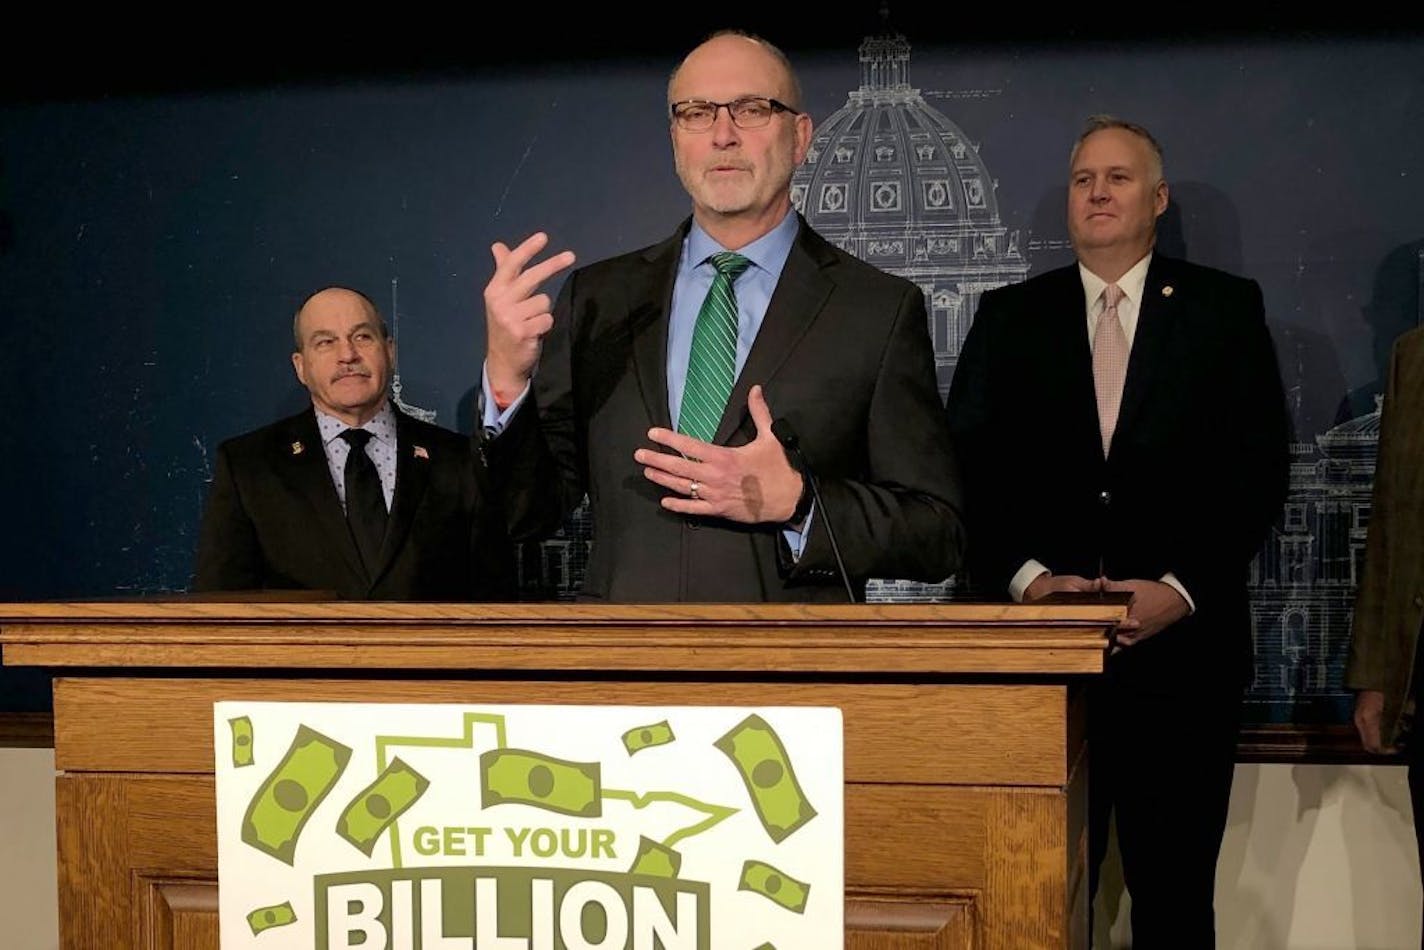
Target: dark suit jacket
x,y
1197,472
1390,606
844,354
273,520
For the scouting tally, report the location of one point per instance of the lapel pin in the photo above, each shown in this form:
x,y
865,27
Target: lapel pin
x,y
1167,291
420,452
298,448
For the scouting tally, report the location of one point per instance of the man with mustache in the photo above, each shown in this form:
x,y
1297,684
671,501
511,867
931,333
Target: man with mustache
x,y
652,384
351,497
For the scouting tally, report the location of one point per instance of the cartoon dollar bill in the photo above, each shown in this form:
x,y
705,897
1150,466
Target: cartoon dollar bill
x,y
530,778
761,878
241,741
376,807
756,750
646,737
657,860
265,918
280,808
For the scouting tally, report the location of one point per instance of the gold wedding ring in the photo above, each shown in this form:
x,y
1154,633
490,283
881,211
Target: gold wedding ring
x,y
692,489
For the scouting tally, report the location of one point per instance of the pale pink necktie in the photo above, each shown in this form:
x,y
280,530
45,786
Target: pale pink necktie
x,y
1109,363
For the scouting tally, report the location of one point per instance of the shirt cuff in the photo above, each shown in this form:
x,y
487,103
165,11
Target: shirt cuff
x,y
1025,576
494,421
796,540
1171,581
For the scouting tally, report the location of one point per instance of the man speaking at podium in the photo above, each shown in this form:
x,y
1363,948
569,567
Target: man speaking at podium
x,y
351,496
654,382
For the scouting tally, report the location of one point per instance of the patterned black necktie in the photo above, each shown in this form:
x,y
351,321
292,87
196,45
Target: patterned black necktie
x,y
365,502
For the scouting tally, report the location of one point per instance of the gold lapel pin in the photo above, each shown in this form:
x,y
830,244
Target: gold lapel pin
x,y
1167,291
298,448
420,453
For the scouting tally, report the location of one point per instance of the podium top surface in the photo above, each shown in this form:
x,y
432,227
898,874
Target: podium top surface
x,y
1057,638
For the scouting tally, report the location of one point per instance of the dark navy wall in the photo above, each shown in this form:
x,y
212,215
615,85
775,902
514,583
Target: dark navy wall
x,y
154,243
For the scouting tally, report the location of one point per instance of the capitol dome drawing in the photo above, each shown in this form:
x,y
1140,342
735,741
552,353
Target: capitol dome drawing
x,y
895,182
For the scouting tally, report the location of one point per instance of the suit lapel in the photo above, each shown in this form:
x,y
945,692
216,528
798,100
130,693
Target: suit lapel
x,y
302,461
801,292
648,317
1066,324
413,463
1155,314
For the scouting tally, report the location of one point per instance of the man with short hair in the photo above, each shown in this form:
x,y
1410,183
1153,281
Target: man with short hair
x,y
1122,428
351,496
652,384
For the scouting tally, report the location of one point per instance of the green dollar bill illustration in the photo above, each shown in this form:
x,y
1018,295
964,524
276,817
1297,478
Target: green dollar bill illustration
x,y
645,737
655,859
241,741
770,883
529,778
265,918
759,755
379,804
285,801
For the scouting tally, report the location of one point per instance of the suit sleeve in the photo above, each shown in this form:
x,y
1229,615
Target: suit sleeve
x,y
537,464
492,569
903,519
998,545
229,556
1254,433
1371,653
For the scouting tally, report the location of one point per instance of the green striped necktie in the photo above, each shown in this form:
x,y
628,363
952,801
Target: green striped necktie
x,y
711,366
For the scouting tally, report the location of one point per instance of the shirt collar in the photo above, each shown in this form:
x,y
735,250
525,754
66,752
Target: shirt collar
x,y
382,425
1132,284
767,253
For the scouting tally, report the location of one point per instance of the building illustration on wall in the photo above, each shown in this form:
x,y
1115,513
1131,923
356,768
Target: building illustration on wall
x,y
1304,579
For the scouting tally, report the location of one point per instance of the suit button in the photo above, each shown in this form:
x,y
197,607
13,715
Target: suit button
x,y
1105,498
1419,600
692,524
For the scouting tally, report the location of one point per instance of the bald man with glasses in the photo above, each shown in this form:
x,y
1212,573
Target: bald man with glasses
x,y
652,384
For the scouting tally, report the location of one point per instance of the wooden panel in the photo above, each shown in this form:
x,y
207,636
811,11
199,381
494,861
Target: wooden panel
x,y
1025,893
910,923
981,734
179,914
94,893
916,836
897,836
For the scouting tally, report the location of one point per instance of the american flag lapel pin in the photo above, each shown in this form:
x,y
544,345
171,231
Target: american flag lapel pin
x,y
420,453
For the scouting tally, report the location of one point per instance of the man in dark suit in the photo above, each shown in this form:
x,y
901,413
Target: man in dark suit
x,y
1122,428
1389,612
657,372
352,496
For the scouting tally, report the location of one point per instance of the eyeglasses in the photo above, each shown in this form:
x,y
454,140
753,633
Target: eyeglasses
x,y
748,112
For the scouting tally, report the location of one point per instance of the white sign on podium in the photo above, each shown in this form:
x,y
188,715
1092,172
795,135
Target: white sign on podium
x,y
512,827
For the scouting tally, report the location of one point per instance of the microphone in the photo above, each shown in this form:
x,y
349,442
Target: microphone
x,y
786,434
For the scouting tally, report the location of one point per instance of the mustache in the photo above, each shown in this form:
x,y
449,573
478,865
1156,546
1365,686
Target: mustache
x,y
350,371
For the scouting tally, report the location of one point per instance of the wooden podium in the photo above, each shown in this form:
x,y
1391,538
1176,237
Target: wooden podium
x,y
964,735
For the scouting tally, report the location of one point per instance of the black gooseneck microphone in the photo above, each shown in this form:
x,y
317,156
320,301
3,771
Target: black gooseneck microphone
x,y
786,434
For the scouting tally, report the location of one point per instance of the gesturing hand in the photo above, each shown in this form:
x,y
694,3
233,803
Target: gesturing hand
x,y
516,316
753,483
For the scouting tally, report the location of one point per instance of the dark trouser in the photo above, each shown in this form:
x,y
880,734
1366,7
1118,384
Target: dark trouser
x,y
1163,766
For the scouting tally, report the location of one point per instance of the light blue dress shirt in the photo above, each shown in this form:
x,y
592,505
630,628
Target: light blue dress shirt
x,y
753,288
